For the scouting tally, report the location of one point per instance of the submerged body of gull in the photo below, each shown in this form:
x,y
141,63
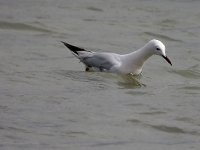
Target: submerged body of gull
x,y
117,63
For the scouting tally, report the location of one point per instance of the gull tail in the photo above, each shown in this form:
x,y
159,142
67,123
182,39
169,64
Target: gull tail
x,y
73,48
76,51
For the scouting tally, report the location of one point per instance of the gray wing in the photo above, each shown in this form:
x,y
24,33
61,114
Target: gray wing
x,y
100,60
103,61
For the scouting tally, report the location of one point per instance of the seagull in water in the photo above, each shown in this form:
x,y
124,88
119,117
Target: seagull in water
x,y
130,63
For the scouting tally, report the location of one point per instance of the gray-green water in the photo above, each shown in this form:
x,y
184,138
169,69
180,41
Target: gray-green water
x,y
48,102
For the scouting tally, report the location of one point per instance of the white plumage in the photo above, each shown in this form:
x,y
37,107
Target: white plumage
x,y
116,63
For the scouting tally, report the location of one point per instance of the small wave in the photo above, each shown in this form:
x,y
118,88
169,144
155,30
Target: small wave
x,y
75,133
21,26
130,82
173,129
187,73
161,36
191,88
94,9
168,129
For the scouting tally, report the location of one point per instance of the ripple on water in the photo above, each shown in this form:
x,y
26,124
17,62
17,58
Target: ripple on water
x,y
94,9
185,119
190,73
139,93
153,113
173,129
21,26
14,129
129,82
75,133
168,129
165,128
168,22
123,81
191,87
80,75
165,37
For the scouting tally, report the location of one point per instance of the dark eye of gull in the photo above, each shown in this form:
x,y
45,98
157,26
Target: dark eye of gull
x,y
158,49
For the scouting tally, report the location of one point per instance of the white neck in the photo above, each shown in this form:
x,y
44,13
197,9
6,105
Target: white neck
x,y
140,56
133,62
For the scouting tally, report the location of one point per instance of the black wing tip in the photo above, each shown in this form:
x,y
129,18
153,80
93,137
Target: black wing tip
x,y
73,48
66,44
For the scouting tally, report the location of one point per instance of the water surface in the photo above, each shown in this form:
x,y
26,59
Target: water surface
x,y
47,101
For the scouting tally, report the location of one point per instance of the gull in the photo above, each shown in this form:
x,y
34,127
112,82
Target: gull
x,y
131,63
